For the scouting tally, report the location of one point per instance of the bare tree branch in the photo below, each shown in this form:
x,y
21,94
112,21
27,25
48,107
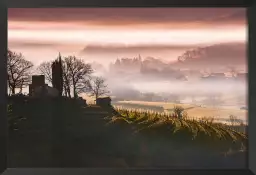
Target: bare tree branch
x,y
18,71
46,70
77,72
96,87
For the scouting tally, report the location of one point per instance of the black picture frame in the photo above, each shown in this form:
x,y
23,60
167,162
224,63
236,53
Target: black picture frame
x,y
131,3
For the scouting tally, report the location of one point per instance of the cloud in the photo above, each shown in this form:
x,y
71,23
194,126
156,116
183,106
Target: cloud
x,y
121,48
236,17
152,31
39,45
31,44
130,16
218,54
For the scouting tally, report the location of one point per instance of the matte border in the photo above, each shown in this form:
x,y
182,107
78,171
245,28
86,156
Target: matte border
x,y
130,3
3,87
99,171
252,86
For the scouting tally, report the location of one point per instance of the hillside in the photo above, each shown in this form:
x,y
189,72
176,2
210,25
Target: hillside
x,y
212,56
194,111
63,133
215,56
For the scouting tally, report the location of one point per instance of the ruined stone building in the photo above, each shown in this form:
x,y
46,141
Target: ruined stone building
x,y
38,88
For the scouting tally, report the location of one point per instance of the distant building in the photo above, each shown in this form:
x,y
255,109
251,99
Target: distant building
x,y
230,75
38,88
219,74
215,76
104,101
37,81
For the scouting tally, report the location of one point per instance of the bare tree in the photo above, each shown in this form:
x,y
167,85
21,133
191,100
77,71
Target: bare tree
x,y
46,70
76,72
18,71
96,87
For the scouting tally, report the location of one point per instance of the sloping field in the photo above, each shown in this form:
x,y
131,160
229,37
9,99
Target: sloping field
x,y
162,104
194,111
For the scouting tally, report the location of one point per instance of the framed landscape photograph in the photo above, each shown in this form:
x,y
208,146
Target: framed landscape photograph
x,y
128,89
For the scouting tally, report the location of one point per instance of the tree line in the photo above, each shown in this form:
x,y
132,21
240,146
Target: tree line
x,y
76,75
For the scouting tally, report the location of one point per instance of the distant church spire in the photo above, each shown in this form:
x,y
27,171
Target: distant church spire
x,y
59,57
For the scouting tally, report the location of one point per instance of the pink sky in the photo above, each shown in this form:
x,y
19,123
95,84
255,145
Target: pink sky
x,y
41,33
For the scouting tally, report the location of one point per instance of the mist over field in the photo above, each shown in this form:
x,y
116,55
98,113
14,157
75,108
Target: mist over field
x,y
201,97
133,84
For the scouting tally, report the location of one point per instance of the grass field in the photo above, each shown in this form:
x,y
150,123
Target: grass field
x,y
194,111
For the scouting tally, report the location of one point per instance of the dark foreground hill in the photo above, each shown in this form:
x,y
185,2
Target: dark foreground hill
x,y
63,133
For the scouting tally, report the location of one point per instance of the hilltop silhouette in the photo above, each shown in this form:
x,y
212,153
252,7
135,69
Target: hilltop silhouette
x,y
193,57
213,56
